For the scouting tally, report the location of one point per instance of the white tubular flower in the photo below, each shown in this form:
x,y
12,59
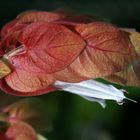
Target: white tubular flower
x,y
93,90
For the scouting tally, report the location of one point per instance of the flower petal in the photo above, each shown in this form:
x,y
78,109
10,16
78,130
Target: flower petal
x,y
93,90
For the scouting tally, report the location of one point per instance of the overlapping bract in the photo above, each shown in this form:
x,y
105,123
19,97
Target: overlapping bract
x,y
43,47
129,76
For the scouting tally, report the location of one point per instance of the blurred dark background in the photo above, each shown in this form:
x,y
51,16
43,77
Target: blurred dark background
x,y
74,118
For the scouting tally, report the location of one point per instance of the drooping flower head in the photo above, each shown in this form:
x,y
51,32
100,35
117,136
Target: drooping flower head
x,y
42,48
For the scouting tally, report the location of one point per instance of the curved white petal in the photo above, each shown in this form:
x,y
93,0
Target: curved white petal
x,y
93,90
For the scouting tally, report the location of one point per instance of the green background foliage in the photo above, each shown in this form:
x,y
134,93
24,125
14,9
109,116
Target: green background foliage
x,y
74,118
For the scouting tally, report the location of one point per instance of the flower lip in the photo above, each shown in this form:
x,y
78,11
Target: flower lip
x,y
93,90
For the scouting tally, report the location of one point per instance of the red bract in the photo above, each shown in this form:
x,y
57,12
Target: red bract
x,y
19,131
31,111
43,47
3,137
23,120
